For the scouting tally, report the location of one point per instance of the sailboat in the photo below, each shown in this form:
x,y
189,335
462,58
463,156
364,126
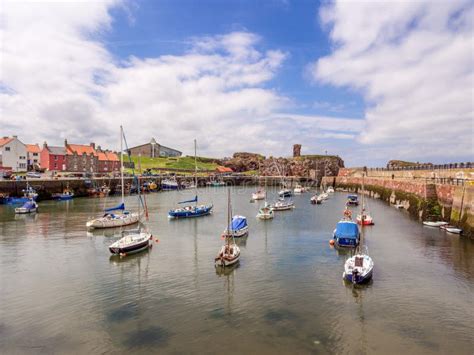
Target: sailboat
x,y
364,218
229,254
265,212
359,268
133,241
283,205
195,210
123,217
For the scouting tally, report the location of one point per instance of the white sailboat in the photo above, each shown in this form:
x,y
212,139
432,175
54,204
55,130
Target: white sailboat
x,y
364,218
265,212
229,254
116,216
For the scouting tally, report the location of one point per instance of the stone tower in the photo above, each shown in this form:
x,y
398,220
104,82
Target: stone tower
x,y
296,150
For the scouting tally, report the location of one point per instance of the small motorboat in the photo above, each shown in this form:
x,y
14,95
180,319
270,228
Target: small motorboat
x,y
29,207
132,243
324,196
285,193
435,224
451,229
358,269
330,190
65,196
299,189
352,200
283,205
238,227
258,195
266,212
169,184
346,234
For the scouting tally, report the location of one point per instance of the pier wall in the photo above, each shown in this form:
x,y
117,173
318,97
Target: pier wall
x,y
423,199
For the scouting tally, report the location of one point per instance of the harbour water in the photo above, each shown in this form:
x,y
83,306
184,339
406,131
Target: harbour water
x,y
62,292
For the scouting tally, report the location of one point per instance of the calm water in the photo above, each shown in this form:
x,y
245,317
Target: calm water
x,y
61,292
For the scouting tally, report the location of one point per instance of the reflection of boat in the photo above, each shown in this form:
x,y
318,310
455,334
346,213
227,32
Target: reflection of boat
x,y
225,271
435,224
123,217
238,227
283,205
346,234
358,269
132,242
195,210
352,200
229,254
29,207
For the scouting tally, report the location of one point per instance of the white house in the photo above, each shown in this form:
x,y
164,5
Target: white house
x,y
13,154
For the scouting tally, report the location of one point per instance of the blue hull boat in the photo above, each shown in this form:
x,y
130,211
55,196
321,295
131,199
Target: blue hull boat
x,y
190,211
64,197
346,234
16,200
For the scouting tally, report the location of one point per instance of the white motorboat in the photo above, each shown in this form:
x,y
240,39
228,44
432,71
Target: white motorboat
x,y
299,189
358,269
131,243
258,195
283,205
330,190
435,224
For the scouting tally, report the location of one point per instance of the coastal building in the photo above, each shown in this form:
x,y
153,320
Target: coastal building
x,y
33,156
154,150
108,161
53,158
13,154
81,158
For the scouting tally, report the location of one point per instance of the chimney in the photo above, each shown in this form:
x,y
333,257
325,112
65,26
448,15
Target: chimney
x,y
65,142
93,145
45,145
15,137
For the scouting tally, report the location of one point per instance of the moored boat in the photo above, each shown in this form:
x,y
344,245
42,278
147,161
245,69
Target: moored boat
x,y
358,269
346,234
133,242
29,207
258,195
451,229
364,218
265,212
283,205
299,189
285,193
169,184
330,190
435,224
229,254
352,200
238,227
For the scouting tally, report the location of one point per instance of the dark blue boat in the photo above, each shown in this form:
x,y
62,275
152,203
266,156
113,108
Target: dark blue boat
x,y
28,194
352,200
191,210
347,234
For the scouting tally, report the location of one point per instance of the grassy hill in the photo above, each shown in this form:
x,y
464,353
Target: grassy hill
x,y
186,162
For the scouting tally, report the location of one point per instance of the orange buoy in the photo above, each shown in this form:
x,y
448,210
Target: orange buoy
x,y
157,240
331,242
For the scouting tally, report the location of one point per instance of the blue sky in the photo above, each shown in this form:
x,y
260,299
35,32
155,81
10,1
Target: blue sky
x,y
369,81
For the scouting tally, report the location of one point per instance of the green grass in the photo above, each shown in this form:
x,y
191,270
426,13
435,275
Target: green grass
x,y
174,163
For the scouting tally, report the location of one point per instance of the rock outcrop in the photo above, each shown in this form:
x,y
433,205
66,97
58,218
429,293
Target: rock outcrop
x,y
241,162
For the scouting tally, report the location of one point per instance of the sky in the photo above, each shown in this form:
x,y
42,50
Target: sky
x,y
368,81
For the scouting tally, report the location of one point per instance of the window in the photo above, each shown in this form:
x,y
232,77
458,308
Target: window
x,y
55,158
35,154
22,157
55,165
7,149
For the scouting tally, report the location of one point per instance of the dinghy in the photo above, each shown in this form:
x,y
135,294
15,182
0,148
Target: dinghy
x,y
299,189
451,229
258,195
330,190
29,207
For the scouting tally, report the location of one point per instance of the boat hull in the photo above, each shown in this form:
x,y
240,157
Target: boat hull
x,y
199,212
102,223
22,210
224,261
131,249
359,279
283,208
240,232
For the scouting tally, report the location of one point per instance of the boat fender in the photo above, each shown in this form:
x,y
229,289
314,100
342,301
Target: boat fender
x,y
331,242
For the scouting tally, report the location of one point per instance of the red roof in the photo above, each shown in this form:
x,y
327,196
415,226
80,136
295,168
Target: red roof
x,y
80,149
223,169
5,140
107,156
33,148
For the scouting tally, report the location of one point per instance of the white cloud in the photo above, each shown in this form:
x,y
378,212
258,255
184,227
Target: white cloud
x,y
413,62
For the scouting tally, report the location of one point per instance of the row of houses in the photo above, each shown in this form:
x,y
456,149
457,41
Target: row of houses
x,y
19,157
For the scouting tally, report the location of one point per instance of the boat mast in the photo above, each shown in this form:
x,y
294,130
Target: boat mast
x,y
121,162
228,217
195,171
